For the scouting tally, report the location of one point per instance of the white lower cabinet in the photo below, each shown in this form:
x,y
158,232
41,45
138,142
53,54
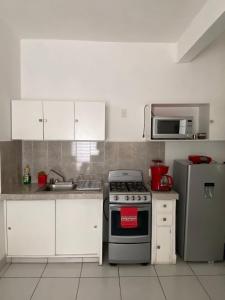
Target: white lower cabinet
x,y
43,228
79,227
163,245
30,228
163,229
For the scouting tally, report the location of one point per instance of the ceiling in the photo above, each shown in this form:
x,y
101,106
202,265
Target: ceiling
x,y
101,20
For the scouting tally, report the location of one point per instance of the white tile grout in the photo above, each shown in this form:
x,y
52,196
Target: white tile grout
x,y
119,278
38,281
81,269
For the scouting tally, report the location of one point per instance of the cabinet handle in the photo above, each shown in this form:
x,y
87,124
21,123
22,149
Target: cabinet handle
x,y
164,205
164,219
211,121
9,228
95,226
76,120
40,120
158,247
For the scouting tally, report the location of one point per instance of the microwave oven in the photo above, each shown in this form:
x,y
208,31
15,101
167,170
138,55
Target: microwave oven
x,y
172,127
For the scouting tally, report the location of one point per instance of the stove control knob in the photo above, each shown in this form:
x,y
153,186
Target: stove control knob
x,y
115,198
133,198
139,198
145,198
127,198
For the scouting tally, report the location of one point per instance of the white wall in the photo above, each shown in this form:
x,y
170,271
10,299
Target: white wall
x,y
9,77
126,75
181,150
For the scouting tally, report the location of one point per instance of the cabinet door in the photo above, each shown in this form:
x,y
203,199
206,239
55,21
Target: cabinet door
x,y
31,227
163,245
77,227
90,121
58,120
217,121
27,120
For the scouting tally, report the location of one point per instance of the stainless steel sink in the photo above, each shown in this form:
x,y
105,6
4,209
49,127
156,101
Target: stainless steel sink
x,y
58,187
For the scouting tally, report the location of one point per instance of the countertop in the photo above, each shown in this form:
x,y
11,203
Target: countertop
x,y
30,192
171,195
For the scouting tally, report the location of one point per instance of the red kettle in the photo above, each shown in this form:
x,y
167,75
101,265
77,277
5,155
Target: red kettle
x,y
160,180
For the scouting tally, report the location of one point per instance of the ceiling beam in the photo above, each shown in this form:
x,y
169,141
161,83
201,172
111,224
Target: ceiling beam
x,y
203,30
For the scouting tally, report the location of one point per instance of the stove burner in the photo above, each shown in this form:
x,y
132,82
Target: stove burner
x,y
124,187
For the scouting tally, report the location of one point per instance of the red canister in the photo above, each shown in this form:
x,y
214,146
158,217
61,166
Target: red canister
x,y
42,178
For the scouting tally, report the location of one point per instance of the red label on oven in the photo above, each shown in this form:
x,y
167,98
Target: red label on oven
x,y
129,217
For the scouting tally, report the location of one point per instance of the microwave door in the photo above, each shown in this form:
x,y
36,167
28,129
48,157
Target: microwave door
x,y
167,128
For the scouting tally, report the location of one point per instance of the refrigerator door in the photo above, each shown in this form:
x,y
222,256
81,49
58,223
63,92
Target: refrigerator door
x,y
205,213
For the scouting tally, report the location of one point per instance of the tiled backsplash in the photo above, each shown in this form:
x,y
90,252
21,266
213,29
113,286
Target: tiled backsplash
x,y
11,153
89,158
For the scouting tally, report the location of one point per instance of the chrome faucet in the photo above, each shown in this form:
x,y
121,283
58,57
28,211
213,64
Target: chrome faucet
x,y
59,174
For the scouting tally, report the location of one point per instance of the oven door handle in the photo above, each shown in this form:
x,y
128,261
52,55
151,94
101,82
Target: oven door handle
x,y
139,207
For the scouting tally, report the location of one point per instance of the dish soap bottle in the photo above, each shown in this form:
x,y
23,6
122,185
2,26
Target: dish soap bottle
x,y
26,175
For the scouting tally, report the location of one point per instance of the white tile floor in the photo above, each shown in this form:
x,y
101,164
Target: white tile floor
x,y
84,281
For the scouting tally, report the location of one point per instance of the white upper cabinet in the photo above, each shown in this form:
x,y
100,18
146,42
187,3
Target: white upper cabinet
x,y
58,120
27,117
89,121
217,122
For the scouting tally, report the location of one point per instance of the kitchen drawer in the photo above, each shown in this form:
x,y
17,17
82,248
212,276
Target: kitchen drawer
x,y
164,206
164,219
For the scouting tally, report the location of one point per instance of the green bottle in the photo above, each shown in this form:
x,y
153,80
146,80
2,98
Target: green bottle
x,y
26,175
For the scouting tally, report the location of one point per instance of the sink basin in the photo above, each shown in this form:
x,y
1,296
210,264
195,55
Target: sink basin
x,y
58,187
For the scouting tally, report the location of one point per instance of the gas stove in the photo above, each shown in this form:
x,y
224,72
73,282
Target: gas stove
x,y
126,186
129,244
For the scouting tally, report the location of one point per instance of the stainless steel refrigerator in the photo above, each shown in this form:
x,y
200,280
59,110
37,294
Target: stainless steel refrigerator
x,y
200,223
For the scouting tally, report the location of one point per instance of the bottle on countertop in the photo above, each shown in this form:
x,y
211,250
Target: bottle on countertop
x,y
26,175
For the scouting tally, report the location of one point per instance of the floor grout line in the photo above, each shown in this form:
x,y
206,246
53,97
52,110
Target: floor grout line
x,y
118,269
203,287
38,281
196,276
159,282
78,286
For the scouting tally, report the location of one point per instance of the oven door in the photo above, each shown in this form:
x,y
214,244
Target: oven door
x,y
141,234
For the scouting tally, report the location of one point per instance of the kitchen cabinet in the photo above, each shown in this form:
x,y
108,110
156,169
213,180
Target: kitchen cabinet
x,y
58,120
79,227
30,227
38,120
217,122
27,120
89,120
163,227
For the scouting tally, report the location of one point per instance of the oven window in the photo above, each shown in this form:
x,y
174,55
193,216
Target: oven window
x,y
168,126
142,229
